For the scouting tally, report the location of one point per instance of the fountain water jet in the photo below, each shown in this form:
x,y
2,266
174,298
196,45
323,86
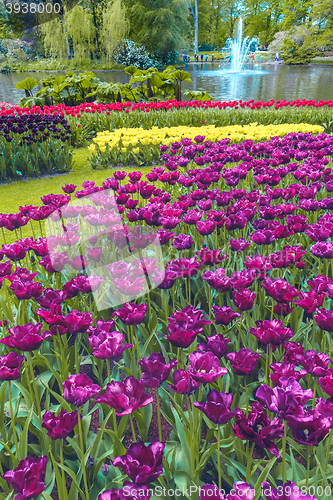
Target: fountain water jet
x,y
239,48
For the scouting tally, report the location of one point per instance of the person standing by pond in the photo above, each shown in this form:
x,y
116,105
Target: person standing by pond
x,y
201,57
206,57
276,57
212,58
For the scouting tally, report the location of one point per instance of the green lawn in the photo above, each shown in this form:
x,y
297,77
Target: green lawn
x,y
16,194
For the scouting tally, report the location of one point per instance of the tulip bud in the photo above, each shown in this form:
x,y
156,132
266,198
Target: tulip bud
x,y
105,469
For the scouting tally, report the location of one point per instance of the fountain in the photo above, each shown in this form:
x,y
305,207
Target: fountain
x,y
239,48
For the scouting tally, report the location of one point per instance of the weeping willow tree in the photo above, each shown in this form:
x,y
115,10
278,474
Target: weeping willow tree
x,y
79,25
55,38
115,26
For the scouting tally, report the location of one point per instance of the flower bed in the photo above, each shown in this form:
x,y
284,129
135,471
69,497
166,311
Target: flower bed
x,y
33,144
88,118
142,146
233,339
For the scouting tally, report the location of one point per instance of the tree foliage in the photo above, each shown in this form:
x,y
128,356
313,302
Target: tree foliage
x,y
115,26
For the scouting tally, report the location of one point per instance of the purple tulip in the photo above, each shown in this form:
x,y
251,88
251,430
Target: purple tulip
x,y
326,383
271,332
155,370
183,382
182,242
77,322
205,367
217,407
142,464
287,370
244,299
107,345
78,389
218,280
239,245
185,325
59,427
324,319
131,314
285,398
126,397
244,361
315,363
27,479
258,428
224,315
322,249
308,427
10,366
27,337
216,344
280,290
210,257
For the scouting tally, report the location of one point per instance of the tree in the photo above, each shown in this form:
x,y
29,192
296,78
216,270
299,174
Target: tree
x,y
115,26
160,25
262,18
300,46
195,14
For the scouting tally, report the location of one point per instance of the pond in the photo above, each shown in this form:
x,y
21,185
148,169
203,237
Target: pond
x,y
256,81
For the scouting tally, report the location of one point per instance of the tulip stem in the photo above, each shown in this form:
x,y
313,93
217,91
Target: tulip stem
x,y
132,427
284,439
62,463
77,367
83,465
108,369
314,393
329,440
219,455
158,415
313,334
12,419
34,383
249,454
246,396
307,466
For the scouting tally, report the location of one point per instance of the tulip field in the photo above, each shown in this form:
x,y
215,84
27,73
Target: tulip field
x,y
170,334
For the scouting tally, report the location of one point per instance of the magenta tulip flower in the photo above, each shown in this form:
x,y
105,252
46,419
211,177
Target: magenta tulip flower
x,y
27,337
143,464
107,345
155,370
131,314
59,427
284,398
183,382
185,325
77,322
224,315
244,361
10,366
126,397
78,389
243,299
258,429
324,319
205,367
216,344
217,407
27,479
271,332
